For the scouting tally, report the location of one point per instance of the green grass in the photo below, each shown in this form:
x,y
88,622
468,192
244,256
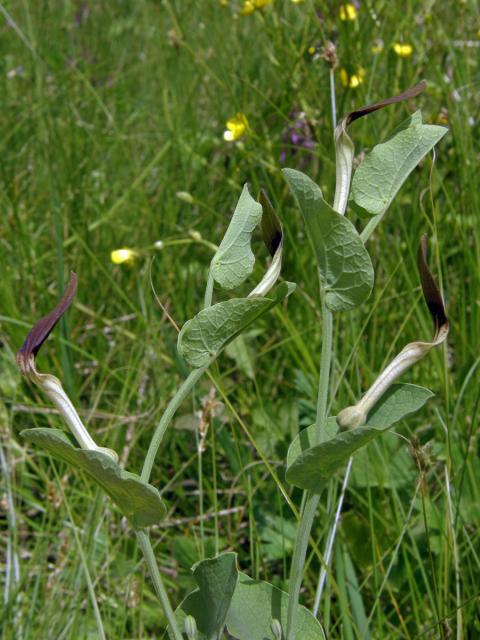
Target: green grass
x,y
109,110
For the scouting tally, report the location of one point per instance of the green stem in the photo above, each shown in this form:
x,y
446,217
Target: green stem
x,y
370,228
312,499
298,560
209,291
325,364
147,550
166,418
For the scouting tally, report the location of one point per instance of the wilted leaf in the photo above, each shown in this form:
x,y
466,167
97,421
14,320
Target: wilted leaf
x,y
234,260
378,179
316,465
137,500
345,266
203,337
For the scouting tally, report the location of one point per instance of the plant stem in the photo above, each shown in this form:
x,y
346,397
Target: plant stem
x,y
325,363
370,228
312,499
298,560
209,291
166,418
147,550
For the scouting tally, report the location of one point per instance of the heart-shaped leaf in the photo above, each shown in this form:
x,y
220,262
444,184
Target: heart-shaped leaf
x,y
251,610
316,465
256,603
203,337
385,168
216,579
345,266
234,260
306,439
137,500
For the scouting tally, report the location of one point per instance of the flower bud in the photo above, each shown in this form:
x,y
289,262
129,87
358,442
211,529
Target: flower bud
x,y
276,629
191,628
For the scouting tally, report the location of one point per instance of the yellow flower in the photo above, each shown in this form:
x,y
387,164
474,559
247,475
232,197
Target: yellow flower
x,y
348,12
312,50
249,6
236,127
123,256
402,50
352,80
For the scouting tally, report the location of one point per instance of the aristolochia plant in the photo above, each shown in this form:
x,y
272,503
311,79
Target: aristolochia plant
x,y
227,600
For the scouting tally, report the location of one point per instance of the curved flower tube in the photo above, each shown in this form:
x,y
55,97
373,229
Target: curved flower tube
x,y
50,384
356,415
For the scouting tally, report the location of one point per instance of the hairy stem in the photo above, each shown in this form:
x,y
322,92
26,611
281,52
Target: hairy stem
x,y
166,418
147,550
312,499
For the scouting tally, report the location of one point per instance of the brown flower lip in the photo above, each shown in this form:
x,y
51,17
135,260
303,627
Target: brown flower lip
x,y
405,95
42,329
271,226
431,292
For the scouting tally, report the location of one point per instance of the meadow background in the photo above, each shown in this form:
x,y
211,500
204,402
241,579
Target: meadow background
x,y
111,136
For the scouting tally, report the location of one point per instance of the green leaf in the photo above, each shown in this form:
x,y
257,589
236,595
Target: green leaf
x,y
345,266
357,607
234,259
216,579
254,605
203,337
307,439
385,463
137,500
398,401
344,148
385,168
250,610
316,465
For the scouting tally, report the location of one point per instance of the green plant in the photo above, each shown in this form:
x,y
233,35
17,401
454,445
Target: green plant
x,y
226,598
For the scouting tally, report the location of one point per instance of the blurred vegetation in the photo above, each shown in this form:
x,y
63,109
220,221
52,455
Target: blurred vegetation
x,y
111,135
